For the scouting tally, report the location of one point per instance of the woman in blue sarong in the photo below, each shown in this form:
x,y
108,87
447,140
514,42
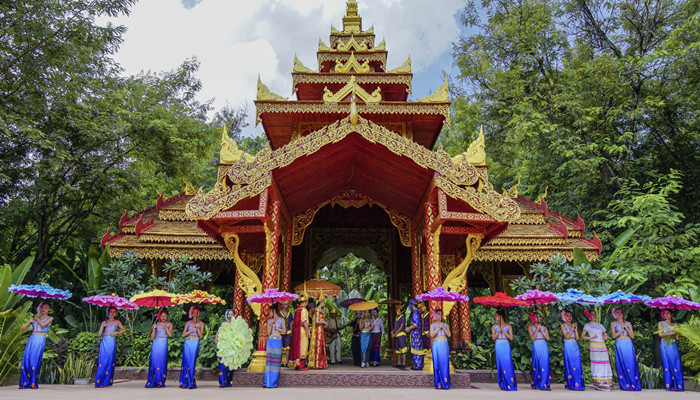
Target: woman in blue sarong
x,y
225,374
502,334
365,336
275,328
193,331
439,332
541,374
573,375
625,355
108,348
158,364
34,350
670,357
414,330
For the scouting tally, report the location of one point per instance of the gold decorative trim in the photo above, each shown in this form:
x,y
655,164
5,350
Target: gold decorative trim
x,y
337,38
362,58
326,78
529,255
529,219
257,173
476,153
322,46
170,253
385,108
531,241
347,199
380,46
352,45
447,264
352,88
146,237
173,215
404,68
299,67
265,94
351,64
441,95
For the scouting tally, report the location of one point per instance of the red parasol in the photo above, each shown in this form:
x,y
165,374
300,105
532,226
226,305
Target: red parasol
x,y
156,298
500,299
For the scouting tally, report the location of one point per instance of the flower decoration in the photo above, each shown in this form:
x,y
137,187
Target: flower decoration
x,y
440,294
673,302
235,343
624,297
536,296
577,296
272,296
42,290
111,301
199,297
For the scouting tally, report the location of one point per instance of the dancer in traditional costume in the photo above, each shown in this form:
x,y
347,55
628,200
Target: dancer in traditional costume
x,y
414,330
275,328
365,337
288,318
502,334
318,337
439,332
34,350
355,345
398,335
158,364
193,331
108,348
376,338
601,372
425,326
333,328
225,374
573,374
625,355
299,348
670,357
541,374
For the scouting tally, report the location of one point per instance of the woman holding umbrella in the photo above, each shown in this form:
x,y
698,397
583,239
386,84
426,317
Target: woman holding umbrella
x,y
625,355
670,357
573,374
541,374
275,328
158,364
108,348
34,350
502,334
439,332
193,331
365,334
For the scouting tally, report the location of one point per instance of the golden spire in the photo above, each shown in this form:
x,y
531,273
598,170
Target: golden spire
x,y
352,22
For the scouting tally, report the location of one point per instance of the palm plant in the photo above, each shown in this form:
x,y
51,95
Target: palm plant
x,y
691,332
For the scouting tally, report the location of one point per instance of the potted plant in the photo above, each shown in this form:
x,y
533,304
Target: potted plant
x,y
79,367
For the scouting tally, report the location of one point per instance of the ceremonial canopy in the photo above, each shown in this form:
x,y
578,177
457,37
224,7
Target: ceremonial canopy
x,y
350,167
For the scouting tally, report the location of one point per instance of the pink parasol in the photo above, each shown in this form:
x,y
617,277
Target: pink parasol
x,y
272,296
624,297
500,299
440,294
111,301
536,296
42,290
673,302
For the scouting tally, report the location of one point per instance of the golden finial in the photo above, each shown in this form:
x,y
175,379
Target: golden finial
x,y
264,94
441,95
299,67
321,47
352,22
404,68
514,191
189,189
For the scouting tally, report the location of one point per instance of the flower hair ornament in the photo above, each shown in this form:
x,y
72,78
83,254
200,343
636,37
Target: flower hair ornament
x,y
588,315
38,308
533,317
563,315
613,311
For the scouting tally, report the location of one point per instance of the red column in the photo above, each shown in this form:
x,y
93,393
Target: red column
x,y
238,297
465,327
270,272
455,314
287,277
416,274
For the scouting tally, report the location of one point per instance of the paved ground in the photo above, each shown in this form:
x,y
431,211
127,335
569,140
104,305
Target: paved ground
x,y
133,390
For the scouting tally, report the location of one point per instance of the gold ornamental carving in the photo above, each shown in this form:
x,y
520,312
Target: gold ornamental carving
x,y
335,57
352,88
404,68
447,264
352,65
206,205
524,254
167,253
229,152
326,79
530,219
322,46
476,153
265,94
441,95
380,47
352,45
456,280
299,67
248,280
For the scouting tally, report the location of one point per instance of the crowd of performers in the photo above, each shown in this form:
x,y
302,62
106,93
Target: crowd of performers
x,y
306,337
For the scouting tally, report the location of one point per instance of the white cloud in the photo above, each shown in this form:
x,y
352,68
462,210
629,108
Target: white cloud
x,y
237,40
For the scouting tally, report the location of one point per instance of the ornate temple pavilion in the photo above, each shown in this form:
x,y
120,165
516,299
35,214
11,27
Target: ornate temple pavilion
x,y
349,167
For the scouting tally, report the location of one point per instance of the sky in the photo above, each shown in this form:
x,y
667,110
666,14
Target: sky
x,y
237,40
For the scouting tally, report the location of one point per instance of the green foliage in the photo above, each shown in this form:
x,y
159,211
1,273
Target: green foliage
x,y
12,340
76,366
182,276
690,333
135,352
85,343
12,276
470,356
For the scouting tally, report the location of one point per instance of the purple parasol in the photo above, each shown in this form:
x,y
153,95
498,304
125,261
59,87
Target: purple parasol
x,y
111,301
348,302
673,302
43,291
440,294
272,296
536,296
